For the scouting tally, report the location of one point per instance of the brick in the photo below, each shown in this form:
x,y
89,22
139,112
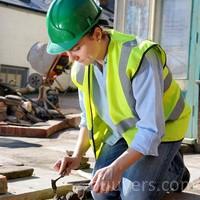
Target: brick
x,y
51,127
3,184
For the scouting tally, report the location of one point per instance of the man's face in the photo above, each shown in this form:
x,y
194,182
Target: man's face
x,y
86,51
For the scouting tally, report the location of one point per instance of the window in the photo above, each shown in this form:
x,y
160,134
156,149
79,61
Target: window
x,y
175,35
164,21
137,18
15,76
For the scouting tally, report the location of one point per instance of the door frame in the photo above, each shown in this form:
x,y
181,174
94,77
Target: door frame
x,y
192,95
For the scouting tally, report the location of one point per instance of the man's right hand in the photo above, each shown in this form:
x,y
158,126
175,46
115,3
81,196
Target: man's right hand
x,y
66,164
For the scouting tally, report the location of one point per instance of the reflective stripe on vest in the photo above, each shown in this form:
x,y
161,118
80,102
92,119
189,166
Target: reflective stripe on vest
x,y
77,74
126,50
180,104
167,79
126,84
123,61
126,124
178,109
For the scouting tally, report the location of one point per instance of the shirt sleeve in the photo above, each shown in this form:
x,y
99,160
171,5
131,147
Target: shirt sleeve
x,y
147,88
83,122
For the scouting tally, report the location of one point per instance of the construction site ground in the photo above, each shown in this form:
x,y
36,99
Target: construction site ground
x,y
41,153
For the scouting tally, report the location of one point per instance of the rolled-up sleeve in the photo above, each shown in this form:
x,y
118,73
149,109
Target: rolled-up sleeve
x,y
148,93
83,122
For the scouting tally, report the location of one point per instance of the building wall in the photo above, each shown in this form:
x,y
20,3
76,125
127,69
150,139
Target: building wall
x,y
20,29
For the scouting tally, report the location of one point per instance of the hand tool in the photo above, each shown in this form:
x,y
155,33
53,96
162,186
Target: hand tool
x,y
53,183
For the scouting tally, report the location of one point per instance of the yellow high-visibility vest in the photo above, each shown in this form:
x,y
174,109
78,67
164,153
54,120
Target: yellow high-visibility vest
x,y
124,58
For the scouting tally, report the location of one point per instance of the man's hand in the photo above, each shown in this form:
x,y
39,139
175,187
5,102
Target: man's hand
x,y
106,179
65,165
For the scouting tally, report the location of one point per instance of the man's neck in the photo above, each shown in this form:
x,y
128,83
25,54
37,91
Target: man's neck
x,y
104,47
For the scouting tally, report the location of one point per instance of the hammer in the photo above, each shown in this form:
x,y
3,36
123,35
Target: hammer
x,y
53,184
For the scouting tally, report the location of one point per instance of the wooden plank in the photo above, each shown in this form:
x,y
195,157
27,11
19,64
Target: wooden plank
x,y
3,184
12,172
52,126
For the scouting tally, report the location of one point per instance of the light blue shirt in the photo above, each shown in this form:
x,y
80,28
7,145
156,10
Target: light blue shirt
x,y
147,88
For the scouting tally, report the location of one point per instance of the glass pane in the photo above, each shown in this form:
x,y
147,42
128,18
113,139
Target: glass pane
x,y
14,75
175,35
3,77
137,17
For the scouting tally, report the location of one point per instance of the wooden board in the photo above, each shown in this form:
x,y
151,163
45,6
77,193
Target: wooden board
x,y
52,126
12,172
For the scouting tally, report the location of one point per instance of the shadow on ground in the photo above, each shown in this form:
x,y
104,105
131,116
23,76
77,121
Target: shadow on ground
x,y
12,143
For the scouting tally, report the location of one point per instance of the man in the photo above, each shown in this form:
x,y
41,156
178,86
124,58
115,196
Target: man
x,y
133,114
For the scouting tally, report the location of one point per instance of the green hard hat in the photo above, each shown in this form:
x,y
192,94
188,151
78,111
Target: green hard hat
x,y
68,21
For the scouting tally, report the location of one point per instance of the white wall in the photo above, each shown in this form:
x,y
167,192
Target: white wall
x,y
19,29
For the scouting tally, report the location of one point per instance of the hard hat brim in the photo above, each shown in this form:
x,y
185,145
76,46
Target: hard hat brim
x,y
54,48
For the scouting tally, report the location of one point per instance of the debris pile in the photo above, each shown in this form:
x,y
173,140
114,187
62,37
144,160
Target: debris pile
x,y
75,196
16,109
80,191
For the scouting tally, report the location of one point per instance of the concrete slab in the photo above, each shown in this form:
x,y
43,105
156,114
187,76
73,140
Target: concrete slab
x,y
192,161
8,161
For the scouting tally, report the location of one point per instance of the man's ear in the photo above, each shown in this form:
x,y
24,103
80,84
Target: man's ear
x,y
97,35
